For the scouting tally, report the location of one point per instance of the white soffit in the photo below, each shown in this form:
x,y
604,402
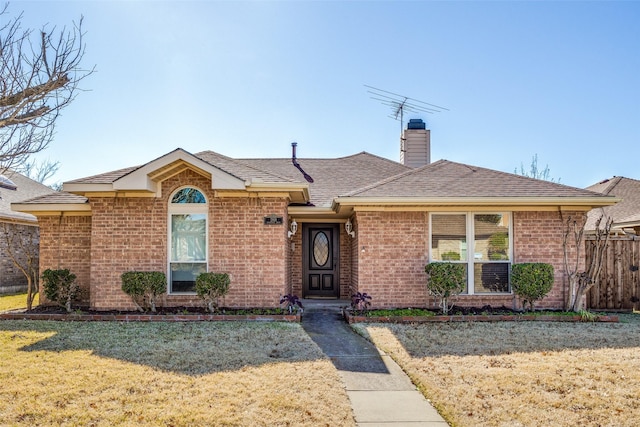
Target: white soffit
x,y
139,178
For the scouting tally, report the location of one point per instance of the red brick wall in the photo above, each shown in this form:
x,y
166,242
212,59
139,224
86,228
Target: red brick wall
x,y
354,247
346,255
391,250
130,233
253,254
537,237
295,252
65,242
127,234
393,253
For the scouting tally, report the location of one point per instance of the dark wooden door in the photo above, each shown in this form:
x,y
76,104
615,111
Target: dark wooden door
x,y
321,256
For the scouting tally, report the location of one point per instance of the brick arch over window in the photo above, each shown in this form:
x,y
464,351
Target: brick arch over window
x,y
187,238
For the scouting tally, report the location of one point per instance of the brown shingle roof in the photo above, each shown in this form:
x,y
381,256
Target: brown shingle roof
x,y
626,210
366,175
449,179
61,197
26,189
332,177
241,169
104,178
224,163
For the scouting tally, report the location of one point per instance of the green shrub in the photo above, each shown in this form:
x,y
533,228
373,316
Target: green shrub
x,y
211,286
60,287
451,256
445,280
531,281
144,287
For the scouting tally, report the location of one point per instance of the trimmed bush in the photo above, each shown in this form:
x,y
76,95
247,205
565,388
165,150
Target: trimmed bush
x,y
210,287
531,281
445,280
144,288
451,256
59,286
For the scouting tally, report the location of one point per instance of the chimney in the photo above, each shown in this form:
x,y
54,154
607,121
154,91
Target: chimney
x,y
415,144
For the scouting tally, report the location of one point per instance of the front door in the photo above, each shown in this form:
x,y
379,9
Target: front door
x,y
321,255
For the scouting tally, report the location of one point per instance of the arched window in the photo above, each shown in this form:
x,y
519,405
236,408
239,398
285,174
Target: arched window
x,y
187,239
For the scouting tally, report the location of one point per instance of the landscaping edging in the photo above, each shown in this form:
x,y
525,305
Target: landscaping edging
x,y
133,317
476,318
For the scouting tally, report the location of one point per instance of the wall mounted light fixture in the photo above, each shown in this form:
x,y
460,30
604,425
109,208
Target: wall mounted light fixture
x,y
293,228
348,227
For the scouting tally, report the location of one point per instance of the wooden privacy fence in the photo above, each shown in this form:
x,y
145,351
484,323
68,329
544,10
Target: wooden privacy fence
x,y
619,285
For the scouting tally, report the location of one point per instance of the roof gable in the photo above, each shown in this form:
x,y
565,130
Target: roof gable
x,y
149,176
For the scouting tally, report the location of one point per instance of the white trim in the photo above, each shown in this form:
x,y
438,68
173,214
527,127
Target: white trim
x,y
470,241
49,207
139,178
186,208
476,201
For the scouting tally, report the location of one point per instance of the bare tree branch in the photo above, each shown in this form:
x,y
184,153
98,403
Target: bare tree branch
x,y
38,79
22,248
572,241
39,171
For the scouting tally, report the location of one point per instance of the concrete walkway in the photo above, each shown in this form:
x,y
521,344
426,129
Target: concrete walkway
x,y
381,394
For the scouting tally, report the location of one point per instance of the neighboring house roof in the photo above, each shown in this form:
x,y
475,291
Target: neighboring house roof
x,y
626,213
25,188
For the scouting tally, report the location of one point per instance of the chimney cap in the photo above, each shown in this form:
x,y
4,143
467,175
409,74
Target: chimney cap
x,y
416,124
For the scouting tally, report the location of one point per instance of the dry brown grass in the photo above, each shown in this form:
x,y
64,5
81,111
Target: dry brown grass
x,y
522,373
171,374
15,302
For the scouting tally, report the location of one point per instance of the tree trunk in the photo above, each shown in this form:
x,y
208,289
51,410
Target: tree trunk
x,y
581,281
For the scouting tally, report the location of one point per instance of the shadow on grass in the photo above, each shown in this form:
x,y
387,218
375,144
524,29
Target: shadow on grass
x,y
497,338
185,348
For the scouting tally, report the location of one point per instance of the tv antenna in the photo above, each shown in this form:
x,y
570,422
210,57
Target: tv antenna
x,y
400,103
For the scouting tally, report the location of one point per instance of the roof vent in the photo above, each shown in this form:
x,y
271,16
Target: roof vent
x,y
7,183
294,160
416,124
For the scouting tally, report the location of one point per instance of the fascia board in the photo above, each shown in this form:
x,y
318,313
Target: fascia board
x,y
264,187
315,214
50,207
139,178
475,201
24,218
625,224
309,210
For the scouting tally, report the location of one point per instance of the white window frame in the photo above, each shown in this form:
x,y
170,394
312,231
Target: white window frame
x,y
186,208
470,247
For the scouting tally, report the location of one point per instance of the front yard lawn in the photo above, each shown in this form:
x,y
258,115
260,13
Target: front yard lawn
x,y
15,302
166,374
521,374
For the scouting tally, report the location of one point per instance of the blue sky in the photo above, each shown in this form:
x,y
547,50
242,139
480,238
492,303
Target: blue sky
x,y
245,79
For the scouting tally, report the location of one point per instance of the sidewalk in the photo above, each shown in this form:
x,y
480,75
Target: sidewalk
x,y
380,392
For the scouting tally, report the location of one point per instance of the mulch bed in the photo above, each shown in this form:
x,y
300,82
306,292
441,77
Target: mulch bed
x,y
163,314
479,314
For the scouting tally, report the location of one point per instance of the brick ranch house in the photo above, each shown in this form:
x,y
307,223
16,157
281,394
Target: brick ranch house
x,y
18,230
317,228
